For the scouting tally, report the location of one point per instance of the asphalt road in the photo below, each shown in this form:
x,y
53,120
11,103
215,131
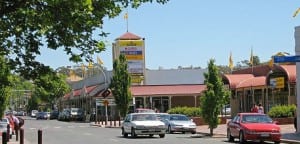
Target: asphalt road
x,y
57,132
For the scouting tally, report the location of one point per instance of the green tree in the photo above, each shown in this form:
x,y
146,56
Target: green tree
x,y
120,84
213,97
50,87
5,84
72,26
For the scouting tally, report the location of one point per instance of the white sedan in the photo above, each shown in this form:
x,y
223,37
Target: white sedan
x,y
143,124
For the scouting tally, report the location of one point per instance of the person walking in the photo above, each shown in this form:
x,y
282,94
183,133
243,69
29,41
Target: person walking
x,y
16,123
260,108
254,108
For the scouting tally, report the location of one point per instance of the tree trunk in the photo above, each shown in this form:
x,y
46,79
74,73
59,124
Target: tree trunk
x,y
211,131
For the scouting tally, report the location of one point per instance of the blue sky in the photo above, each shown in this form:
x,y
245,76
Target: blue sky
x,y
189,33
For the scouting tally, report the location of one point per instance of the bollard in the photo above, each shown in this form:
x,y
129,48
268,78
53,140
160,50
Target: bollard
x,y
40,132
4,138
110,121
119,121
21,136
115,119
8,136
17,134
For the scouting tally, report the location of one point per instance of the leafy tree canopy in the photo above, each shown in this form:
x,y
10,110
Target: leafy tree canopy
x,y
28,26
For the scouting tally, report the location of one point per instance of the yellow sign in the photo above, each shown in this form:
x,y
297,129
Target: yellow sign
x,y
136,79
134,57
105,102
131,43
280,82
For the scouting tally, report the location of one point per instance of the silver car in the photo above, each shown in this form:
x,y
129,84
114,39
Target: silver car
x,y
179,123
143,124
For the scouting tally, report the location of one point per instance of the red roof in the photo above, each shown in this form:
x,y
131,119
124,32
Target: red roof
x,y
290,72
235,79
255,81
147,90
128,36
90,88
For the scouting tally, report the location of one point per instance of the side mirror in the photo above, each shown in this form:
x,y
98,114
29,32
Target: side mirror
x,y
276,122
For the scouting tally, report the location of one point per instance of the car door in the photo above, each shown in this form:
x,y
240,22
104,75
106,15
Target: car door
x,y
127,124
235,126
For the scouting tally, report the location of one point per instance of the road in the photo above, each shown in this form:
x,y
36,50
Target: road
x,y
57,132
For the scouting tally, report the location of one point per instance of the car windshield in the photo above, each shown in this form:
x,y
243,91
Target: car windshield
x,y
163,116
256,119
179,118
144,117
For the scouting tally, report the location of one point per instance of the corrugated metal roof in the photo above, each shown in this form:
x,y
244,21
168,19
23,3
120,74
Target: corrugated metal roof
x,y
147,90
235,79
252,82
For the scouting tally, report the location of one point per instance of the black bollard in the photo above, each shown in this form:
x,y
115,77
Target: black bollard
x,y
110,121
21,136
115,119
119,121
8,136
40,132
4,137
17,134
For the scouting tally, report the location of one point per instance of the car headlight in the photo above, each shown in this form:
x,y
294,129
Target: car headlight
x,y
250,132
161,126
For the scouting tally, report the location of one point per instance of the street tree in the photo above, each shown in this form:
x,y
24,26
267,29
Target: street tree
x,y
5,84
213,97
75,27
51,87
120,84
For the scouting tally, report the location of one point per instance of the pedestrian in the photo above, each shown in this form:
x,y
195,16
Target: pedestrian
x,y
16,122
254,108
260,108
21,121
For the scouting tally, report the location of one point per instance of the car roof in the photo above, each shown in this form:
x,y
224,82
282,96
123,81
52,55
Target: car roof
x,y
251,114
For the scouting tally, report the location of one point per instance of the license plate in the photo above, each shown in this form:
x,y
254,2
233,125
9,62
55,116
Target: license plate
x,y
152,130
265,135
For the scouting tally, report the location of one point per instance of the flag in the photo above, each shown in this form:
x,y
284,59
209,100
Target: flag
x,y
251,58
230,62
100,62
271,62
126,16
90,65
296,12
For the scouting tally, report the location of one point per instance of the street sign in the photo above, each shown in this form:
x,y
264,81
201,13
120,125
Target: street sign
x,y
283,59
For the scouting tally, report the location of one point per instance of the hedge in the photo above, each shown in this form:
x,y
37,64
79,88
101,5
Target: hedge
x,y
281,111
189,111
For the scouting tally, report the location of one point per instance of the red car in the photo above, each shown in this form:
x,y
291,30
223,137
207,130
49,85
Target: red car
x,y
253,126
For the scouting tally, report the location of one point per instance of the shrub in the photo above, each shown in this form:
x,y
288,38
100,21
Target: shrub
x,y
281,111
189,111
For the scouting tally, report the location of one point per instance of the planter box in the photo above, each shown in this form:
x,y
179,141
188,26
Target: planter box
x,y
200,121
283,121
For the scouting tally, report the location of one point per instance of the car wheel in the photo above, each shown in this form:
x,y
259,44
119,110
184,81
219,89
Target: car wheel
x,y
169,129
161,135
183,132
193,132
150,135
229,136
123,133
133,133
276,142
241,137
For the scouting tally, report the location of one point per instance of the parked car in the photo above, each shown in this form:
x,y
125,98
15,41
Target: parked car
x,y
143,124
77,114
4,122
144,110
54,114
65,115
33,113
42,115
180,123
253,126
